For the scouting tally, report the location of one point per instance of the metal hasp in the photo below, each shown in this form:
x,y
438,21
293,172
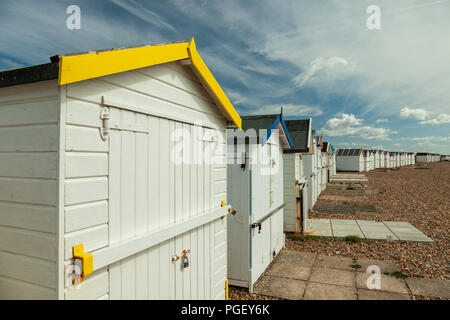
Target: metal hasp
x,y
87,261
267,216
104,116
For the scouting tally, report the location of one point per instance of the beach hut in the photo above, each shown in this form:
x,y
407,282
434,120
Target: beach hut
x,y
296,180
101,194
310,166
350,160
255,190
369,160
387,159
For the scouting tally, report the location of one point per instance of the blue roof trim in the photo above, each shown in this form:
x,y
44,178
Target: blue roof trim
x,y
279,119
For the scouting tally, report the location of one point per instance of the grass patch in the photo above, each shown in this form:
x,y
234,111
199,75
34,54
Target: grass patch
x,y
300,237
348,239
398,274
355,265
352,239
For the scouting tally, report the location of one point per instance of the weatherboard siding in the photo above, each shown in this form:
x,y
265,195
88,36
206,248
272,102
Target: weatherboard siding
x,y
28,198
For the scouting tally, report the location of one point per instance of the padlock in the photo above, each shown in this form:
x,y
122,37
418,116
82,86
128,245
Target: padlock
x,y
185,262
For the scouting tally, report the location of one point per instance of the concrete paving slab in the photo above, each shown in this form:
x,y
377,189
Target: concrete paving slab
x,y
384,265
419,237
404,230
388,283
290,289
300,259
429,287
397,224
379,235
321,291
290,271
319,221
333,262
345,233
344,227
334,208
346,191
369,223
321,232
374,229
343,222
365,294
338,277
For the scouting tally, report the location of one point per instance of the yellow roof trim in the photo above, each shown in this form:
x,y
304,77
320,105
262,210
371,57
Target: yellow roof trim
x,y
204,72
86,66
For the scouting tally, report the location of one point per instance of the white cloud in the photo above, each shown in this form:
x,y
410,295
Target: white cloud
x,y
320,69
349,125
430,138
290,110
381,121
441,119
143,13
424,116
418,114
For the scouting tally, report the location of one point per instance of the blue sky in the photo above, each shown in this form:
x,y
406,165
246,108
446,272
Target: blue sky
x,y
387,88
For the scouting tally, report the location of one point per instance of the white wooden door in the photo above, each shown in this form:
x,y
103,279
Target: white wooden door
x,y
149,192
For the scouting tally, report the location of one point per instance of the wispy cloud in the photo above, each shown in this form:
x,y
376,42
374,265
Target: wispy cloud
x,y
424,116
290,110
349,125
322,69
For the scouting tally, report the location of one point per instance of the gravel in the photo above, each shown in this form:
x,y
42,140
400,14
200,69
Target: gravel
x,y
418,196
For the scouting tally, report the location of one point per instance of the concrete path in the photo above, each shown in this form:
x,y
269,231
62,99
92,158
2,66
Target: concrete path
x,y
349,178
303,275
385,230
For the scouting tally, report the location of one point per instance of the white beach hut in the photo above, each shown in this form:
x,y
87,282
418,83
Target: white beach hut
x,y
296,179
350,160
91,182
255,190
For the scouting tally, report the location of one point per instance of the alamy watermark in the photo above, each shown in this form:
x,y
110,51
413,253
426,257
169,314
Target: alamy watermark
x,y
199,145
74,19
374,20
374,280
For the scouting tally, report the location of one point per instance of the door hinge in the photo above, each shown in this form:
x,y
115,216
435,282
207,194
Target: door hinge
x,y
105,116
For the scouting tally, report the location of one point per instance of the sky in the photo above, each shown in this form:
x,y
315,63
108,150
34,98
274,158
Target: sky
x,y
387,88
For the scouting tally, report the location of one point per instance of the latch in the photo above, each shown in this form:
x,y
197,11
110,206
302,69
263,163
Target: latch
x,y
257,225
185,259
105,116
85,260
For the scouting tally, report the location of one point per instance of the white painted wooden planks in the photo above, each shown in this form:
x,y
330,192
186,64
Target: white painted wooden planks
x,y
28,216
29,138
28,165
13,289
79,164
86,215
92,238
86,190
28,269
94,287
28,169
28,243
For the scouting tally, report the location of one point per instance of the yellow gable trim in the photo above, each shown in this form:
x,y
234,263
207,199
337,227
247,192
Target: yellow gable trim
x,y
207,76
98,64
